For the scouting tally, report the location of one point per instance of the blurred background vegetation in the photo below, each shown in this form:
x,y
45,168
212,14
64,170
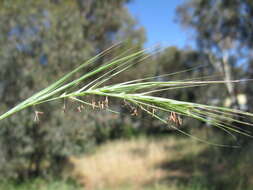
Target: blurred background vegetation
x,y
41,40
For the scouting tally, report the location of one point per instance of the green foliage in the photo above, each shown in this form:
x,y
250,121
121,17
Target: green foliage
x,y
39,184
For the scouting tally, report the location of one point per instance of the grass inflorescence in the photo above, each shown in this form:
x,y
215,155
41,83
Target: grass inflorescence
x,y
140,93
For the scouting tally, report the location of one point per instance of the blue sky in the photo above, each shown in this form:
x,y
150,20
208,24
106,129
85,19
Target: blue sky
x,y
158,18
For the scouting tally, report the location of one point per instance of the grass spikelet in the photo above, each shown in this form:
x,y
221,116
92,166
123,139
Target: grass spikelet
x,y
138,92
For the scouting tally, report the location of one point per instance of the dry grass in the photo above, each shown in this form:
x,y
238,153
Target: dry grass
x,y
130,163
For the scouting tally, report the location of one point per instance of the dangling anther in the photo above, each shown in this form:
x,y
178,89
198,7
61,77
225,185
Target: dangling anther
x,y
79,109
93,103
175,119
36,115
64,106
106,102
135,112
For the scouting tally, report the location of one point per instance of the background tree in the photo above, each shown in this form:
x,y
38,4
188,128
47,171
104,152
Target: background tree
x,y
224,31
